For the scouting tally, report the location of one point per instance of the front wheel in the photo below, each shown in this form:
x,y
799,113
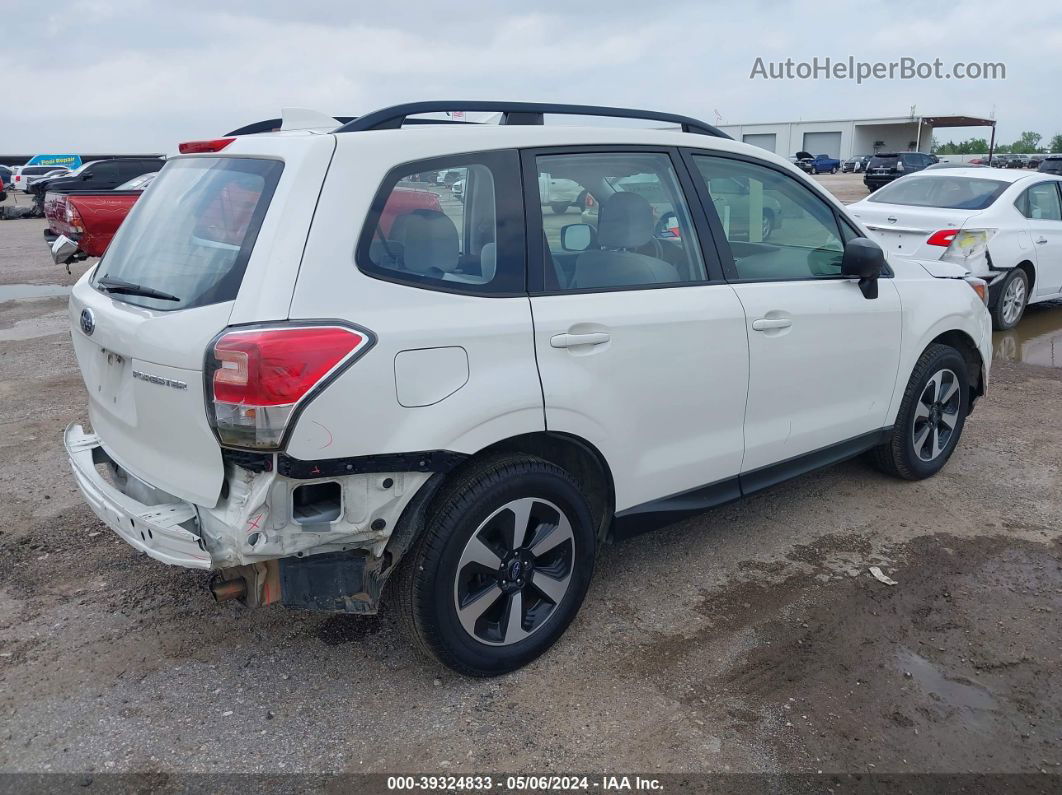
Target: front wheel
x,y
559,208
833,170
1013,298
502,567
931,418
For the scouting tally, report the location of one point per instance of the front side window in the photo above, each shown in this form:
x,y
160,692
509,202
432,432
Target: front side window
x,y
452,224
630,227
189,238
777,228
1040,203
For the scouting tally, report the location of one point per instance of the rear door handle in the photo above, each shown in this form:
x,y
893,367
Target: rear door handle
x,y
571,340
768,323
1041,240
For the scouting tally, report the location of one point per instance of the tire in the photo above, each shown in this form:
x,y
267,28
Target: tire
x,y
927,429
814,170
833,170
559,208
1010,303
456,608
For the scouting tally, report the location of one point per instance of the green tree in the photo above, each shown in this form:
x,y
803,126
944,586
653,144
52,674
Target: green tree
x,y
1027,144
1056,144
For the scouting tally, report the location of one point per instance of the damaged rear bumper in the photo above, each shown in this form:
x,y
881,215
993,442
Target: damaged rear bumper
x,y
166,531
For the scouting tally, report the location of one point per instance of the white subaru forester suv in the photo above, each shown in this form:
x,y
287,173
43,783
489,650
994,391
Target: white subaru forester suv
x,y
317,373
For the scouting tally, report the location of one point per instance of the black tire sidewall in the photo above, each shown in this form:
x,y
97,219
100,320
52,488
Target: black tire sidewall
x,y
434,581
998,322
945,358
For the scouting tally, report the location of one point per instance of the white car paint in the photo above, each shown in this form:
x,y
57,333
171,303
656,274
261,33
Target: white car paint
x,y
677,388
1014,239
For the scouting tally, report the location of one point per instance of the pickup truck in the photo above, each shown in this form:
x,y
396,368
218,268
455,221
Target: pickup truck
x,y
821,164
82,223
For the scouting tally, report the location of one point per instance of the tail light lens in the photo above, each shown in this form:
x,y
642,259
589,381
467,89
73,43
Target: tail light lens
x,y
899,165
256,378
73,218
979,286
942,237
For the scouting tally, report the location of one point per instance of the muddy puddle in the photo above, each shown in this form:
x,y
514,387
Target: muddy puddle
x,y
1037,339
11,292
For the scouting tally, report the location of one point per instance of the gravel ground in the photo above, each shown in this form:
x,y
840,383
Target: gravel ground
x,y
750,639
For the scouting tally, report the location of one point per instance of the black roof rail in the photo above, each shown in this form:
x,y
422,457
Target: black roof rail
x,y
272,125
517,113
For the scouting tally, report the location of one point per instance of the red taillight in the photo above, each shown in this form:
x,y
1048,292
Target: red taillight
x,y
197,147
942,237
257,377
73,218
590,200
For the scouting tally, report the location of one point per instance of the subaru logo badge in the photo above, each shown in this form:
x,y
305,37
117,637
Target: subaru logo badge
x,y
88,322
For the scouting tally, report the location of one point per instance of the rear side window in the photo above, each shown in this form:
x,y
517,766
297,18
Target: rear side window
x,y
191,235
1040,203
952,193
453,224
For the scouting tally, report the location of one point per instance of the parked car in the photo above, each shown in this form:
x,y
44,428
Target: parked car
x,y
25,175
558,194
97,175
1034,161
1005,228
884,167
5,174
802,160
999,161
824,164
855,164
949,164
1052,164
82,223
3,190
465,414
1018,161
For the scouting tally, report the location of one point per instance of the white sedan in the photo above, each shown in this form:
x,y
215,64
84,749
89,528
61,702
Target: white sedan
x,y
1003,226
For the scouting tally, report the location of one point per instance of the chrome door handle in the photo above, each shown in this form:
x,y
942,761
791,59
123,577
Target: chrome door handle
x,y
1041,240
769,323
571,340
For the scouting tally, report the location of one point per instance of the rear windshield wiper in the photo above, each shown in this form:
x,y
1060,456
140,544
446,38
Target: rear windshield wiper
x,y
128,288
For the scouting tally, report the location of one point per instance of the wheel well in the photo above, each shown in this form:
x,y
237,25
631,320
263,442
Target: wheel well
x,y
961,341
1030,272
576,456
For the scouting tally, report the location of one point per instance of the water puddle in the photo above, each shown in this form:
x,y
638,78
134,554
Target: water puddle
x,y
1037,339
965,695
12,292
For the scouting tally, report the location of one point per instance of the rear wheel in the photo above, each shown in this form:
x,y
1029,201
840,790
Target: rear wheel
x,y
502,567
931,418
1013,298
559,208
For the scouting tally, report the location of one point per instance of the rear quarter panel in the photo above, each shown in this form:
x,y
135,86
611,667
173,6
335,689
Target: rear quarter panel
x,y
101,215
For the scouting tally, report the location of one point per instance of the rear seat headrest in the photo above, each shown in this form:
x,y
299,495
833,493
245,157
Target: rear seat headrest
x,y
625,220
429,240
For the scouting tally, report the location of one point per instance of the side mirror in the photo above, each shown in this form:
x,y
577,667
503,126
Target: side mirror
x,y
863,259
576,237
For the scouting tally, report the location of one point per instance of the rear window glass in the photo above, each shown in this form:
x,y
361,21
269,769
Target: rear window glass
x,y
883,161
950,193
191,235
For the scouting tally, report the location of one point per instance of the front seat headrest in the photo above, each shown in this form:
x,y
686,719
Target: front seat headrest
x,y
430,241
625,220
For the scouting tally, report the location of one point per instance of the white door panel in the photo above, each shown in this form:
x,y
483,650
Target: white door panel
x,y
655,379
823,363
1047,243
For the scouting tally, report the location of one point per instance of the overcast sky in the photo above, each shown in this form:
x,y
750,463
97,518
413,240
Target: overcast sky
x,y
140,75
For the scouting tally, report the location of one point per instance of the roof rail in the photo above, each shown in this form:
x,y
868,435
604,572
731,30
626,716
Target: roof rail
x,y
273,125
517,113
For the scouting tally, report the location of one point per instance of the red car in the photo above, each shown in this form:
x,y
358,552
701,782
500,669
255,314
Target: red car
x,y
88,219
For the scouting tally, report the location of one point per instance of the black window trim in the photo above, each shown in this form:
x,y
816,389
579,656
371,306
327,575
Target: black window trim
x,y
726,255
537,249
504,165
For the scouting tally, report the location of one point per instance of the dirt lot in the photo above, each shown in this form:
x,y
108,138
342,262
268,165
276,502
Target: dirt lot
x,y
750,639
